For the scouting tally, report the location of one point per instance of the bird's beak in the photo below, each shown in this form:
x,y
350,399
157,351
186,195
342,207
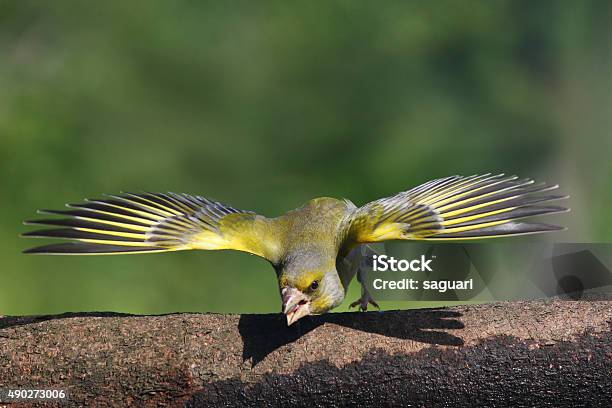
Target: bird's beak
x,y
295,305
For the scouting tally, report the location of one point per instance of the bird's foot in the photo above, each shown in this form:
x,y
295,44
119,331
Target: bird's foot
x,y
364,301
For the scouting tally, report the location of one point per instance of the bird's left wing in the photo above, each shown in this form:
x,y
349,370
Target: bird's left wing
x,y
154,222
456,208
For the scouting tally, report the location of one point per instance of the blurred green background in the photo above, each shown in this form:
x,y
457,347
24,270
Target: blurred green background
x,y
264,105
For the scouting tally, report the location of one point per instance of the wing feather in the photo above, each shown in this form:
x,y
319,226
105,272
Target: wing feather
x,y
478,206
153,222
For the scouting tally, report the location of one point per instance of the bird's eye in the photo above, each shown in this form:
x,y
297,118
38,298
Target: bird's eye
x,y
314,285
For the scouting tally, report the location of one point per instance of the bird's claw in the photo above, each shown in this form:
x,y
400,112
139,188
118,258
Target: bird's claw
x,y
364,301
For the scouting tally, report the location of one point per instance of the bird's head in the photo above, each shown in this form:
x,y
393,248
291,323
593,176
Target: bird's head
x,y
306,291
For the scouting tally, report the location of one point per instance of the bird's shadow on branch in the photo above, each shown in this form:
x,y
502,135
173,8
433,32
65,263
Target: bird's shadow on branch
x,y
262,334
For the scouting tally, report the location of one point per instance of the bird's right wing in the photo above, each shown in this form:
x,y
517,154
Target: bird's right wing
x,y
154,222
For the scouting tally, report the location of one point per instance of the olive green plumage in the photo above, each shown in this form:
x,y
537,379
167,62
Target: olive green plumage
x,y
316,249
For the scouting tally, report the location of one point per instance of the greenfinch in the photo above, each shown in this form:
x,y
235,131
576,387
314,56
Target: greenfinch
x,y
316,249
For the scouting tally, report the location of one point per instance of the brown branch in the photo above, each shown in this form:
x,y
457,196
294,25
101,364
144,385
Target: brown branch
x,y
536,353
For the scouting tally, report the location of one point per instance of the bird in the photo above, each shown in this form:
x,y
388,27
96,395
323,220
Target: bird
x,y
317,249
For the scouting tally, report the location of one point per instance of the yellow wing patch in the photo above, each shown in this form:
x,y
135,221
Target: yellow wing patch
x,y
155,222
456,208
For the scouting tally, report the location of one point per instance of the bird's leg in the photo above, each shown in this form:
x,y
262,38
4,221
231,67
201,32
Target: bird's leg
x,y
366,298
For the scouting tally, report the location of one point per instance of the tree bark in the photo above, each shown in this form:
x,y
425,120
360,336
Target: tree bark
x,y
529,353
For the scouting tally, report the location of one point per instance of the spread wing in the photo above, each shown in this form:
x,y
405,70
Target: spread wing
x,y
457,207
153,222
